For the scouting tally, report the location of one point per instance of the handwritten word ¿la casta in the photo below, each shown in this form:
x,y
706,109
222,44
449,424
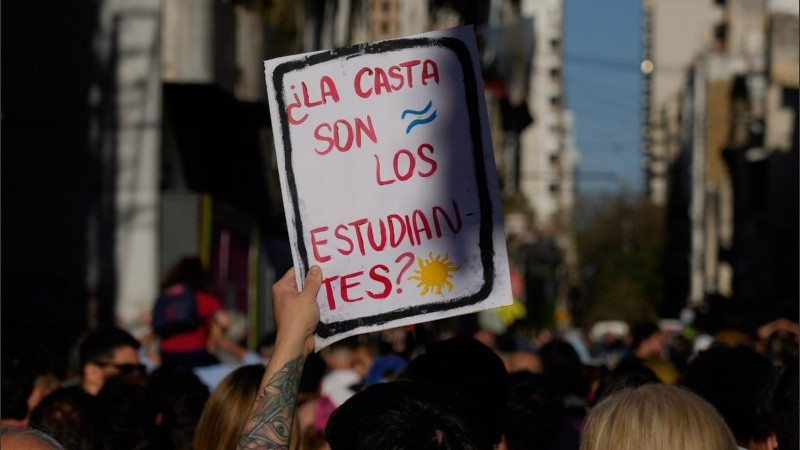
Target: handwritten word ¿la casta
x,y
368,81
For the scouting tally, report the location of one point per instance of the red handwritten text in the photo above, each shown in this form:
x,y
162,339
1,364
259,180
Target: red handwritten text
x,y
364,234
342,133
375,81
404,163
351,288
327,89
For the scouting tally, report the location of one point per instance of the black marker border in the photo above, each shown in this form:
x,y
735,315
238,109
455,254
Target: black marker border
x,y
486,229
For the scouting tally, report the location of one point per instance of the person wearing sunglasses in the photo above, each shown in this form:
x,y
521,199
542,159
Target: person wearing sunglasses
x,y
106,352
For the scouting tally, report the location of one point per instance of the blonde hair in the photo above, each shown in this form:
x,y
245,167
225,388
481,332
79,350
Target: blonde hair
x,y
227,409
655,417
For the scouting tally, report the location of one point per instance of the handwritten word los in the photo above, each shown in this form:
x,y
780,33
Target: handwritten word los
x,y
371,81
327,89
404,164
387,232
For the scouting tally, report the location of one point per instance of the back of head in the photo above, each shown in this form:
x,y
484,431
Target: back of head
x,y
100,343
188,270
563,365
179,396
402,415
655,417
65,415
227,409
739,382
629,373
124,417
27,439
642,331
473,371
535,412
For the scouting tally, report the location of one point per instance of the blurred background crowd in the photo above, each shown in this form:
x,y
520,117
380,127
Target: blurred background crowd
x,y
647,154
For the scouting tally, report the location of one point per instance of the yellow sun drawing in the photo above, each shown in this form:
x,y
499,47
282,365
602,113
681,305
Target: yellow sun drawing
x,y
435,273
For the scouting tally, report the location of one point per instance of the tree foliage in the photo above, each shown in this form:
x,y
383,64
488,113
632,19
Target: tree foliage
x,y
620,245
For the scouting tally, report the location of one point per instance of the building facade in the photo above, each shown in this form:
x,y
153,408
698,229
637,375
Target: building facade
x,y
731,137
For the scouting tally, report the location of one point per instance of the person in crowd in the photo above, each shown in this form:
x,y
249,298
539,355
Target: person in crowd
x,y
629,373
403,414
780,341
231,351
648,346
12,438
196,347
785,406
474,372
339,383
655,417
125,418
740,383
561,363
66,414
535,415
178,397
106,352
310,419
227,409
24,384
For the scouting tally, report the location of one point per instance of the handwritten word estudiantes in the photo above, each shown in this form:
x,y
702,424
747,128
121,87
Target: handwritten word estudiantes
x,y
387,232
368,81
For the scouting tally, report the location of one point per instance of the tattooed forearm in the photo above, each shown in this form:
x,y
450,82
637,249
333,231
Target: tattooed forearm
x,y
270,423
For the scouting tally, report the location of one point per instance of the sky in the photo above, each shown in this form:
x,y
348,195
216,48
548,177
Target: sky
x,y
602,53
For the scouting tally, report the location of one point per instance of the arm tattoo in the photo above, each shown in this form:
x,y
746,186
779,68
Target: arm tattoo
x,y
270,423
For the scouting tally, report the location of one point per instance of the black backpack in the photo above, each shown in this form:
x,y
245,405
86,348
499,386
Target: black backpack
x,y
175,311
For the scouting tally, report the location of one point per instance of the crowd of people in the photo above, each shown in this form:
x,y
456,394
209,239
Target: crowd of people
x,y
449,384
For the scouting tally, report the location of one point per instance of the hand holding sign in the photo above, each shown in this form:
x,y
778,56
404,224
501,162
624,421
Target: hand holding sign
x,y
388,180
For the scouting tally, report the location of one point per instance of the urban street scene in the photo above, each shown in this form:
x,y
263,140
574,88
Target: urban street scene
x,y
400,224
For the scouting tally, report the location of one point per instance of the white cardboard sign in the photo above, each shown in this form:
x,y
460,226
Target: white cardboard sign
x,y
388,181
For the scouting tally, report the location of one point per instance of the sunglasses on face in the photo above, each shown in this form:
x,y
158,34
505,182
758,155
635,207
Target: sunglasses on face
x,y
126,369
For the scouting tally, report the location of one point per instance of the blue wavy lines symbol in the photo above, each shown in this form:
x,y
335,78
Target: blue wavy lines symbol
x,y
419,114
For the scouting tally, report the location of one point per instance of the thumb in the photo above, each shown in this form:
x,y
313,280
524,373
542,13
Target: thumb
x,y
313,282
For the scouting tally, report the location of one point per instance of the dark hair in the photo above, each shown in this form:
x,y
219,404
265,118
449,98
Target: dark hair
x,y
641,332
65,415
740,383
179,396
188,270
124,417
562,364
99,344
473,371
629,373
785,406
401,415
534,413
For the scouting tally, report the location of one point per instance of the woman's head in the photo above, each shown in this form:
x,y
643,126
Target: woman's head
x,y
227,409
655,416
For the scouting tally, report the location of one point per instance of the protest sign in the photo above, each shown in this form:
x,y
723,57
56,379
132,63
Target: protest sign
x,y
389,182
